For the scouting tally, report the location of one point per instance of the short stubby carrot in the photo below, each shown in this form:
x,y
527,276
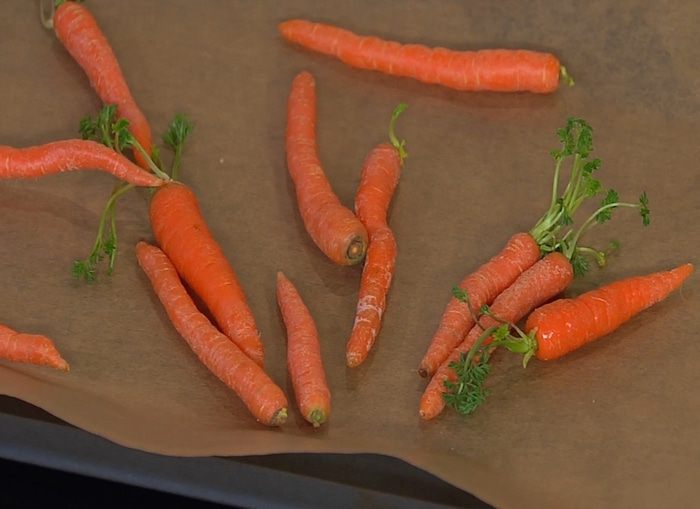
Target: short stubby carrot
x,y
567,324
482,286
182,233
304,360
497,70
333,227
265,399
30,349
79,32
542,281
71,155
379,178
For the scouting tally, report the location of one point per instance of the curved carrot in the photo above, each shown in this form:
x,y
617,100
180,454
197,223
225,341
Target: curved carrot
x,y
380,176
70,155
182,233
30,348
545,279
79,32
304,359
333,227
482,286
498,70
261,395
567,324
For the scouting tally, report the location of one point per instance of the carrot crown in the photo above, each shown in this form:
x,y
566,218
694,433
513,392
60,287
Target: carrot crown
x,y
399,145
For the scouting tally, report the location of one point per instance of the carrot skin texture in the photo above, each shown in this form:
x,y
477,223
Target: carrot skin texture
x,y
497,70
30,349
265,400
304,360
182,233
378,181
80,34
545,279
483,286
568,324
332,226
71,155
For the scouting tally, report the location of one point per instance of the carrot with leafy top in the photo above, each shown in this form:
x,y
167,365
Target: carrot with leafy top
x,y
379,178
261,395
30,349
558,328
71,155
497,70
79,32
333,227
304,360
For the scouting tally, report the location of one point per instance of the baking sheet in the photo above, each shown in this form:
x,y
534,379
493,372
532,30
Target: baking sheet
x,y
612,424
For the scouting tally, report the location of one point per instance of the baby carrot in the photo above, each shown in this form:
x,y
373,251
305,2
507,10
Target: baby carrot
x,y
261,395
545,279
304,359
380,176
497,70
182,233
79,32
70,155
30,348
332,226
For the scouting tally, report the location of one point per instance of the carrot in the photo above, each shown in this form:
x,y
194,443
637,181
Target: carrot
x,y
259,393
70,155
558,328
182,233
79,32
535,286
567,324
332,226
497,70
30,348
304,359
552,232
380,176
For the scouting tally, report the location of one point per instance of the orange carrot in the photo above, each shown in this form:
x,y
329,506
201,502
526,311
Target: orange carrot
x,y
69,155
380,176
544,280
30,348
304,359
182,233
79,32
497,70
261,395
567,324
332,226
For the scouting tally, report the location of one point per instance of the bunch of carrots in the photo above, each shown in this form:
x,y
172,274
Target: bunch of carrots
x,y
519,282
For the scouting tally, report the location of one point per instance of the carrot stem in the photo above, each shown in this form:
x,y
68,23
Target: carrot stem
x,y
399,145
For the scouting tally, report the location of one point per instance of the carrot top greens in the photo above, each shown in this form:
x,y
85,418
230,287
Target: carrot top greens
x,y
114,133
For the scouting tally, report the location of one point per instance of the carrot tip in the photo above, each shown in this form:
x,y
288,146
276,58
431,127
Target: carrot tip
x,y
356,250
317,417
423,372
279,417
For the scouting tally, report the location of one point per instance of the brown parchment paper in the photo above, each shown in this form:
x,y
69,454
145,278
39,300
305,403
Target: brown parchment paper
x,y
614,424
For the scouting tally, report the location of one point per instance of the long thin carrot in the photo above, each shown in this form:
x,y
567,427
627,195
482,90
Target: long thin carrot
x,y
30,348
304,360
567,324
182,233
497,70
332,226
79,32
552,232
558,328
545,279
379,178
261,395
70,155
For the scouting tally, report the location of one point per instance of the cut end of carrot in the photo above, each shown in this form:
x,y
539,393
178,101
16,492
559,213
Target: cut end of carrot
x,y
423,372
279,417
356,251
317,417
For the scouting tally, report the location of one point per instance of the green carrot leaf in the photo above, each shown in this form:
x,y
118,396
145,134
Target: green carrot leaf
x,y
178,131
644,209
607,205
467,393
580,264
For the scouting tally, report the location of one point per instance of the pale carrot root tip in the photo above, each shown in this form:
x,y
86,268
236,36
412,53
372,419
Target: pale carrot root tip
x,y
279,417
353,359
356,251
317,417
